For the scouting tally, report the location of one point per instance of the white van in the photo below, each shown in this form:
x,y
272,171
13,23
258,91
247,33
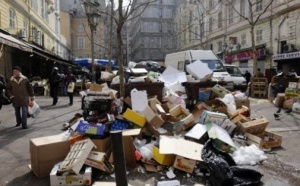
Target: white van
x,y
179,60
239,82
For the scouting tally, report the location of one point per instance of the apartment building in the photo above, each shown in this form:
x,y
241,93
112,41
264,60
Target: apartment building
x,y
152,33
30,37
220,26
78,30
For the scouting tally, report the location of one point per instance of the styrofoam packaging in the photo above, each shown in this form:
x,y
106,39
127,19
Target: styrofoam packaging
x,y
199,70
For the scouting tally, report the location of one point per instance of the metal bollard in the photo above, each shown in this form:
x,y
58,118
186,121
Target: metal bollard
x,y
119,158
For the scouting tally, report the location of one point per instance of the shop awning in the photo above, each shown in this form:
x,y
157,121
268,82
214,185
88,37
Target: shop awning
x,y
285,56
13,42
41,52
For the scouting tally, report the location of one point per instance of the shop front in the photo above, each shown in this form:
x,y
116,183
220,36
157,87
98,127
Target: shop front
x,y
288,61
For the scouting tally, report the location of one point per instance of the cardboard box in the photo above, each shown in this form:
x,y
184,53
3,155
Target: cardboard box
x,y
217,106
257,126
95,87
220,91
92,129
198,133
152,103
265,140
99,160
221,137
84,178
228,125
163,159
242,102
184,164
288,103
45,152
135,117
181,147
197,111
185,116
102,145
152,118
212,117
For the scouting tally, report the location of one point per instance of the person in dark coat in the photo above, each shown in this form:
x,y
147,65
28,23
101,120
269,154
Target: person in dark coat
x,y
70,78
54,80
247,77
2,88
20,92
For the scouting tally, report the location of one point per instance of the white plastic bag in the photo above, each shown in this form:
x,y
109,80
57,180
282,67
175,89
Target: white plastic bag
x,y
34,110
71,87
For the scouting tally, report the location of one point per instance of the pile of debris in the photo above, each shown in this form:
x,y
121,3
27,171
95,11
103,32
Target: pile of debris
x,y
211,137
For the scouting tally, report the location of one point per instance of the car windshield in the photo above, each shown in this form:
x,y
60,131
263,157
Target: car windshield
x,y
234,71
215,65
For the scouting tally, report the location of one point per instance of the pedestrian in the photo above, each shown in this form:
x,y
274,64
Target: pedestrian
x,y
62,84
20,92
70,84
54,80
247,77
2,88
259,73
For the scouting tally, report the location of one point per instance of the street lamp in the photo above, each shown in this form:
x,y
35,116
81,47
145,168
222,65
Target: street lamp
x,y
91,9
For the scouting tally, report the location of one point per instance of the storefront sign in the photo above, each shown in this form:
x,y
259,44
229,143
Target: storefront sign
x,y
261,53
286,56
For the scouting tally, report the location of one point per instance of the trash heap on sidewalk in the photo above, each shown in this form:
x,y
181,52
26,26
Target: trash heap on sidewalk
x,y
158,135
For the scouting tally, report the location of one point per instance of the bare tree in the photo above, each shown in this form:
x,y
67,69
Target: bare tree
x,y
256,9
124,14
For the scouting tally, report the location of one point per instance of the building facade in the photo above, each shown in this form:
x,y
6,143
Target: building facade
x,y
222,27
79,31
36,24
152,33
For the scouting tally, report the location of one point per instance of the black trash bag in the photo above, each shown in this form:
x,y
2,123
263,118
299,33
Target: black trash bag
x,y
218,164
244,176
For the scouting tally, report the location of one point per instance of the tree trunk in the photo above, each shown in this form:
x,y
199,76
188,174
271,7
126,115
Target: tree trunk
x,y
120,62
110,37
254,51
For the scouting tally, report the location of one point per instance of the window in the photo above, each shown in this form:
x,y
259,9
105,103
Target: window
x,y
12,17
25,28
190,35
80,27
230,14
34,5
43,9
242,8
243,39
258,5
220,20
196,32
211,3
81,42
210,24
259,35
220,48
202,29
191,17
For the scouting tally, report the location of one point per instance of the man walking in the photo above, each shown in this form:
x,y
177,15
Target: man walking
x,y
54,80
19,91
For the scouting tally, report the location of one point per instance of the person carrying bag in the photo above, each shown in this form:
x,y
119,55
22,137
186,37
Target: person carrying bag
x,y
70,83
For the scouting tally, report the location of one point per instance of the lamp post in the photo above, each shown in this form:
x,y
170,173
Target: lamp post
x,y
91,9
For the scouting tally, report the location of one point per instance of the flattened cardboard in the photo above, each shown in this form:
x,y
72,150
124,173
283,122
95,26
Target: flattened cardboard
x,y
179,146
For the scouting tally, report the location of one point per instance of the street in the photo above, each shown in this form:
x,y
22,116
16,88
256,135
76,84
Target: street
x,y
281,168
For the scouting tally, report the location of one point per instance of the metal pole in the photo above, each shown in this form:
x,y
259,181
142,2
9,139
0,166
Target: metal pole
x,y
119,158
93,60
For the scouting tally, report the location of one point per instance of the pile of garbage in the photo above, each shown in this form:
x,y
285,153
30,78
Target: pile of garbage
x,y
212,137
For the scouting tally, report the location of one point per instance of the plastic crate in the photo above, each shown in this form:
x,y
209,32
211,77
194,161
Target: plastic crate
x,y
77,156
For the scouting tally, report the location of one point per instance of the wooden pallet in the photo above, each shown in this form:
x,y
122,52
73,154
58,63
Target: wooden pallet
x,y
259,87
